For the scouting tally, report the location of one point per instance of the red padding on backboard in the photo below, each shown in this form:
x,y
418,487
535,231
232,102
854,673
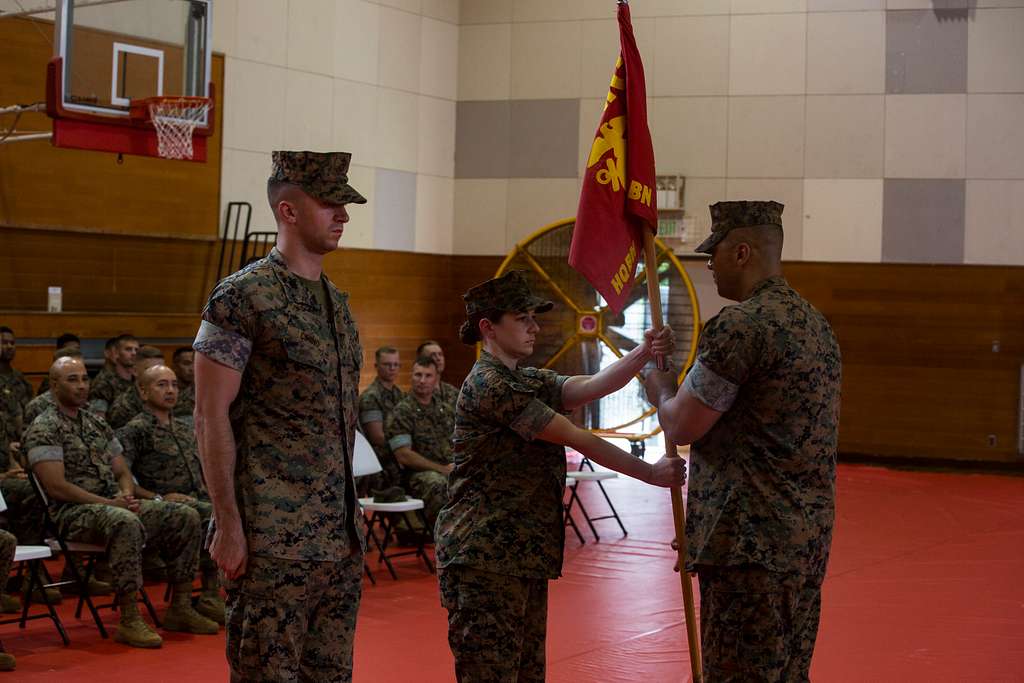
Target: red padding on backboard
x,y
117,139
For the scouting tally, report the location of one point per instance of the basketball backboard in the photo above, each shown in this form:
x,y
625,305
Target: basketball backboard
x,y
111,56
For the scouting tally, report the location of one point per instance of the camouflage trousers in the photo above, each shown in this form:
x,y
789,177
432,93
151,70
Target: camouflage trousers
x,y
432,488
171,528
24,511
757,625
8,544
293,620
497,625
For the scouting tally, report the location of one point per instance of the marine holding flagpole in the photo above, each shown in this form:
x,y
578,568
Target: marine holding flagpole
x,y
501,536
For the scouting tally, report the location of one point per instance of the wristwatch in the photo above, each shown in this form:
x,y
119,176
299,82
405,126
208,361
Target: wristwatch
x,y
158,498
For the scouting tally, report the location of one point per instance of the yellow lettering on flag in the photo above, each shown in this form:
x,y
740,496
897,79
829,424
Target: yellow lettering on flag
x,y
621,277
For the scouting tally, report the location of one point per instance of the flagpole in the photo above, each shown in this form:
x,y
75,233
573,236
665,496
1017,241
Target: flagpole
x,y
678,511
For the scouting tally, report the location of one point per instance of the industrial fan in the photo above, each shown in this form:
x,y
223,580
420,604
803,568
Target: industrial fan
x,y
581,335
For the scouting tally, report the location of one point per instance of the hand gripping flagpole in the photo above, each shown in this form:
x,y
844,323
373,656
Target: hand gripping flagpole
x,y
678,510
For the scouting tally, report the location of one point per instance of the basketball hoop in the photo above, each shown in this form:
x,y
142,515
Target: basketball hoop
x,y
175,119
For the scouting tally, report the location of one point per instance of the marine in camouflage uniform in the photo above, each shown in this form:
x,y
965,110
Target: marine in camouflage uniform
x,y
106,387
91,457
448,393
164,460
186,402
125,407
427,430
500,538
15,390
8,547
375,405
292,616
37,406
761,502
88,449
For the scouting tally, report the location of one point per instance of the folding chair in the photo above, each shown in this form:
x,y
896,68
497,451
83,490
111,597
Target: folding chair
x,y
33,556
364,462
574,499
91,552
569,521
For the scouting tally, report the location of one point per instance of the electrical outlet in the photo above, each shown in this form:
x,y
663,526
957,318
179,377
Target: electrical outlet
x,y
992,441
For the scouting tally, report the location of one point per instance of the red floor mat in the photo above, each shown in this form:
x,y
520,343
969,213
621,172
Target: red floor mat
x,y
924,585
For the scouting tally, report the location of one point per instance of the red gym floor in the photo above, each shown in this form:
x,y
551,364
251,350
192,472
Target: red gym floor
x,y
926,583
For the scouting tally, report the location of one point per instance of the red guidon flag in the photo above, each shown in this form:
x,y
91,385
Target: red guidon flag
x,y
617,202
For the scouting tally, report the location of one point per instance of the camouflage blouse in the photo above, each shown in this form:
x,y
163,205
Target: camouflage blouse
x,y
295,415
105,388
762,480
504,512
163,458
426,429
85,444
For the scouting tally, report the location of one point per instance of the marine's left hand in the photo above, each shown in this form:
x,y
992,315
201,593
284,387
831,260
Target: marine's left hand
x,y
661,343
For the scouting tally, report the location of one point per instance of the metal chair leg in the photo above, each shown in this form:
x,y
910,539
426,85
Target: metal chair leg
x,y
422,540
36,582
615,513
569,521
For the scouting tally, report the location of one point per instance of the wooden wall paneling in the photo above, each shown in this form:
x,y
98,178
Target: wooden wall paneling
x,y
921,378
41,185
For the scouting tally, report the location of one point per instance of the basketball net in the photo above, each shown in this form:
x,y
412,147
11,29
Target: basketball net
x,y
175,119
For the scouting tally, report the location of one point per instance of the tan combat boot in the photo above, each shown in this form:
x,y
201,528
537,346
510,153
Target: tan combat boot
x,y
211,604
180,616
132,630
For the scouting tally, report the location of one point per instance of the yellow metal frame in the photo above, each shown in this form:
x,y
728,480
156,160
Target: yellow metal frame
x,y
577,337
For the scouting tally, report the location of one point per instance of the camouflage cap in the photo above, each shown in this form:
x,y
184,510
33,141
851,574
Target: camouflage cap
x,y
726,216
323,175
510,292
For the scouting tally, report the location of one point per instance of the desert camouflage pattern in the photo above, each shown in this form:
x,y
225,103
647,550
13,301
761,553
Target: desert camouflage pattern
x,y
757,625
37,406
426,429
291,620
497,625
295,415
504,513
105,388
125,407
727,216
323,175
510,292
762,480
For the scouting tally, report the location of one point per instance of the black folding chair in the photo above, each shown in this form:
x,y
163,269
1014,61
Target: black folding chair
x,y
90,553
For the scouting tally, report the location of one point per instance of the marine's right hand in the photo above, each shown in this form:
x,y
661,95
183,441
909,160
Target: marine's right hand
x,y
668,472
229,548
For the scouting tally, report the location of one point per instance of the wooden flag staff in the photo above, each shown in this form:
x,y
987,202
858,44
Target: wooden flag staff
x,y
678,511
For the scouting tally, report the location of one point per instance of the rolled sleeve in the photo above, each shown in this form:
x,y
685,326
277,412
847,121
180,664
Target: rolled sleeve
x,y
532,420
223,346
45,454
368,416
115,448
400,441
712,390
732,345
98,405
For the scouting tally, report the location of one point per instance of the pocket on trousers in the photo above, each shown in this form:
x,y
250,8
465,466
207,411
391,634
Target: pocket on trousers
x,y
266,608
